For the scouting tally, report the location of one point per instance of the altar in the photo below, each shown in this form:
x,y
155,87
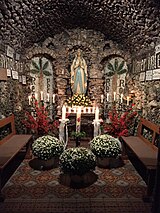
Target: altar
x,y
86,124
79,119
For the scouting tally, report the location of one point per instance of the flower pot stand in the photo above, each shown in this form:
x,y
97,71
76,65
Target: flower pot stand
x,y
78,181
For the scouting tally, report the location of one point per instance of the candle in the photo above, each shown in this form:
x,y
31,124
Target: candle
x,y
121,98
29,98
101,98
47,97
41,96
69,109
84,110
97,114
79,110
107,96
53,98
92,109
127,100
114,96
63,112
78,120
89,110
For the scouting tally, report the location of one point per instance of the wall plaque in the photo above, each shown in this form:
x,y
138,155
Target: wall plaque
x,y
142,76
156,74
149,75
14,74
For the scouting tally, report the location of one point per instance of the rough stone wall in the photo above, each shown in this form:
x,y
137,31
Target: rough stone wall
x,y
14,99
62,47
133,23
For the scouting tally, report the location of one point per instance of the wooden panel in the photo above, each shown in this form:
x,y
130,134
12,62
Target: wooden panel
x,y
3,74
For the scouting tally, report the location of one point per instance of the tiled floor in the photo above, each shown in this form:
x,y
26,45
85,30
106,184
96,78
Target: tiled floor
x,y
77,206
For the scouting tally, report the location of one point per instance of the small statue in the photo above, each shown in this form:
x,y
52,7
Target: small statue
x,y
79,74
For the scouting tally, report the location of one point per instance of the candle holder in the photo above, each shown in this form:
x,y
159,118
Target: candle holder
x,y
63,131
96,124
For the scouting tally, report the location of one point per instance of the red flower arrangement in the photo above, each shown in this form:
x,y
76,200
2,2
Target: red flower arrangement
x,y
40,123
120,123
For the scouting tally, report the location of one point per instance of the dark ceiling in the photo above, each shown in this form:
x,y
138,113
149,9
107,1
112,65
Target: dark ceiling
x,y
131,23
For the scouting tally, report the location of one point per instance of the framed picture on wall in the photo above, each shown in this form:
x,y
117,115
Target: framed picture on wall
x,y
156,74
10,52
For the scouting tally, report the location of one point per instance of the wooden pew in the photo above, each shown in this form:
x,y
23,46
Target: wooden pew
x,y
142,151
10,145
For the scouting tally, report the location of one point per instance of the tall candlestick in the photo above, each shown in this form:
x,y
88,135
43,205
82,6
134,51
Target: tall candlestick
x,y
29,98
53,98
101,98
63,112
127,100
47,97
41,96
78,120
97,114
121,98
114,98
107,97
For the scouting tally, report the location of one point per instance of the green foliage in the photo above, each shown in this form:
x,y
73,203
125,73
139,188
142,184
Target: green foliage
x,y
39,67
116,68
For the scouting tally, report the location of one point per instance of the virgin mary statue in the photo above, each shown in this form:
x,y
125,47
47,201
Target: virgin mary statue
x,y
79,74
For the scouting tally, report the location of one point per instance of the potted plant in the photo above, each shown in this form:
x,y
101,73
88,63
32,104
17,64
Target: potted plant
x,y
106,148
78,136
47,149
40,124
77,163
120,123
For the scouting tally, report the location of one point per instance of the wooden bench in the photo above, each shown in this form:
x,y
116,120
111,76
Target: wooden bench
x,y
142,151
10,145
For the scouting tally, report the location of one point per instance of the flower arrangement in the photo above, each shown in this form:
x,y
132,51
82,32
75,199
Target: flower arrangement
x,y
105,146
78,134
77,160
120,123
39,122
79,100
46,147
